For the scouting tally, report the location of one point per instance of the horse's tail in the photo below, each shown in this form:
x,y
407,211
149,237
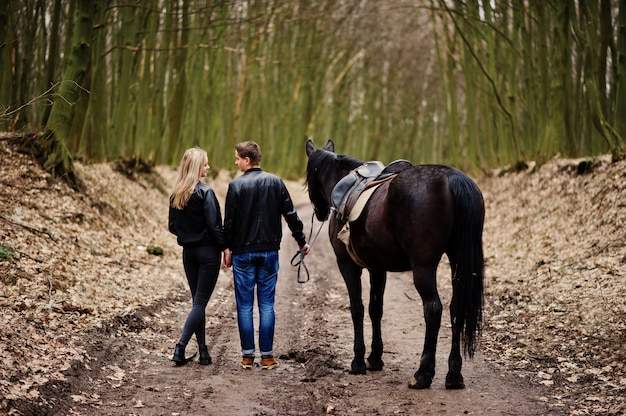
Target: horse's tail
x,y
466,258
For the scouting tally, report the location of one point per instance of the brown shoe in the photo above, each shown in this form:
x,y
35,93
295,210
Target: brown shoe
x,y
268,363
247,363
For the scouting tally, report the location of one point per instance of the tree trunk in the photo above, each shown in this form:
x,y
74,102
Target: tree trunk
x,y
6,67
53,143
53,53
176,103
620,99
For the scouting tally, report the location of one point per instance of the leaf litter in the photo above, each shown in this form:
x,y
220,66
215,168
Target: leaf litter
x,y
555,310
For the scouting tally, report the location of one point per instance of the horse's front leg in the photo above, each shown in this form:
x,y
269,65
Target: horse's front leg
x,y
425,282
378,280
352,276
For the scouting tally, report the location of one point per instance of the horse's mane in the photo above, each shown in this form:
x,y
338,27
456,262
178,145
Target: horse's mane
x,y
348,163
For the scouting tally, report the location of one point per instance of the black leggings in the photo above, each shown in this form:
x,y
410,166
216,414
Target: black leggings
x,y
202,266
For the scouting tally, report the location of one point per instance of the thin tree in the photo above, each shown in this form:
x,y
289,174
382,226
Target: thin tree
x,y
53,143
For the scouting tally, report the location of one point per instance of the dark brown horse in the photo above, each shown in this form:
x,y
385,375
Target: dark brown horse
x,y
408,224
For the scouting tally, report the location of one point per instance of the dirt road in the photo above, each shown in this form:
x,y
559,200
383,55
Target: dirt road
x,y
133,374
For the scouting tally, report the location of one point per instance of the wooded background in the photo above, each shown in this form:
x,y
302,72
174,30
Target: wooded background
x,y
476,84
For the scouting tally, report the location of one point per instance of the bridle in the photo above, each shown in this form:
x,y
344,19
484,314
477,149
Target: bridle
x,y
300,263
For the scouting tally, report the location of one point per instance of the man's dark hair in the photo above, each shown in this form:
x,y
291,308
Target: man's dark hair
x,y
251,150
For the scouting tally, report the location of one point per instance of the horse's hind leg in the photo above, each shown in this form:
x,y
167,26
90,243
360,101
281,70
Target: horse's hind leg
x,y
352,277
377,289
424,280
454,379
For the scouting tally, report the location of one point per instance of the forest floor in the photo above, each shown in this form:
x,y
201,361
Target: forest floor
x,y
89,318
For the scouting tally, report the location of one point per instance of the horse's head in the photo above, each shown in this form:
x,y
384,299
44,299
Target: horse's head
x,y
324,169
317,170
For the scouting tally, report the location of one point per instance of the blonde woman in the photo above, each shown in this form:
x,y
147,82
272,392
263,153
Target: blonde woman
x,y
196,220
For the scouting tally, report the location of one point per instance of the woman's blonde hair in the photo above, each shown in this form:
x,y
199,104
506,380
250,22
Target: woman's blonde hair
x,y
188,176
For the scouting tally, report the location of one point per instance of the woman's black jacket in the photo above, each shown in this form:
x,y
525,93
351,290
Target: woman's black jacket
x,y
200,222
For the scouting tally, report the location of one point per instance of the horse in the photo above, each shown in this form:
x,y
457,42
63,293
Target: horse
x,y
409,222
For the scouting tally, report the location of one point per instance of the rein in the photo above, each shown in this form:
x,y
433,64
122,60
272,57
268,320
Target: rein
x,y
300,263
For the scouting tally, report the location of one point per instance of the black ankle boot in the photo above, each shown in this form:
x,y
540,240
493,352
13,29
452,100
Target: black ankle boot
x,y
205,358
179,355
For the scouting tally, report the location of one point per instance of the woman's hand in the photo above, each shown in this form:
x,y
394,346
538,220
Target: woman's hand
x,y
228,258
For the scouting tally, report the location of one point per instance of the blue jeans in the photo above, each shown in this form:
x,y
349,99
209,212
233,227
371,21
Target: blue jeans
x,y
258,269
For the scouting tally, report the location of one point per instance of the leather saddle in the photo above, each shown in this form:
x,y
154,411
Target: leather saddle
x,y
347,191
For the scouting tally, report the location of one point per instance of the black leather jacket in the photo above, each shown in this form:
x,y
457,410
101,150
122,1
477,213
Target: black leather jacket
x,y
200,222
255,203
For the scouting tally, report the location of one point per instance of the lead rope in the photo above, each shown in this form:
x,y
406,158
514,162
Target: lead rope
x,y
300,263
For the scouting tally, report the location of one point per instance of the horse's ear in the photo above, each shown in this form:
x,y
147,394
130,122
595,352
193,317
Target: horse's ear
x,y
330,146
310,147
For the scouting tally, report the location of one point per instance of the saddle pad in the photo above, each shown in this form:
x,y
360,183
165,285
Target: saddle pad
x,y
360,202
344,233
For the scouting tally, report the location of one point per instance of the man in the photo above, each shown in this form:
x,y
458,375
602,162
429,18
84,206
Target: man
x,y
255,202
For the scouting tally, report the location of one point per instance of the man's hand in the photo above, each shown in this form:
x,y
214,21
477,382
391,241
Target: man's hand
x,y
305,248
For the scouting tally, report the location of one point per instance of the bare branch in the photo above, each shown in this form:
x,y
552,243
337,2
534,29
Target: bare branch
x,y
46,97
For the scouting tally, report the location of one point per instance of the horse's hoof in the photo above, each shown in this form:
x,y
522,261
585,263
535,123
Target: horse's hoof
x,y
422,383
374,365
357,372
454,381
358,368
